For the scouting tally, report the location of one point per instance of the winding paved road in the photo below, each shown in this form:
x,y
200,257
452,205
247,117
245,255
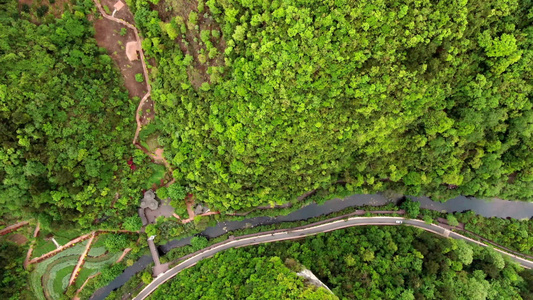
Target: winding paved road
x,y
290,234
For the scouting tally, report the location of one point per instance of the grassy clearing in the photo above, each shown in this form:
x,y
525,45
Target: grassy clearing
x,y
62,240
159,173
62,236
62,233
100,239
149,135
149,130
152,143
43,247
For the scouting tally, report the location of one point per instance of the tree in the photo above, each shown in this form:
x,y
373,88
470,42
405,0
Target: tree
x,y
193,17
177,193
464,252
109,273
14,276
201,223
422,265
422,136
412,208
132,223
205,35
116,242
428,219
146,277
162,193
452,220
240,33
171,31
72,182
199,242
150,230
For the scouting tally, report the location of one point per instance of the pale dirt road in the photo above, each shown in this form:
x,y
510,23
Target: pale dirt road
x,y
308,231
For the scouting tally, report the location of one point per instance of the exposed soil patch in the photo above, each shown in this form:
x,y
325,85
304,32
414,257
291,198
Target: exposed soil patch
x,y
124,13
40,9
148,113
190,22
107,35
158,154
512,178
18,238
166,8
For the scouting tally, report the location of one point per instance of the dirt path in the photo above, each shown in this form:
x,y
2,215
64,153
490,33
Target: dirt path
x,y
75,241
13,227
37,229
66,246
190,211
143,61
126,251
81,260
30,251
203,215
189,204
83,285
158,156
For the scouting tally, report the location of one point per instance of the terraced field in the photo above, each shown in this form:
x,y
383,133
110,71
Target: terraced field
x,y
50,277
97,251
94,264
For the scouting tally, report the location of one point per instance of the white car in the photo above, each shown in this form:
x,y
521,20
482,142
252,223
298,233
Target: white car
x,y
399,222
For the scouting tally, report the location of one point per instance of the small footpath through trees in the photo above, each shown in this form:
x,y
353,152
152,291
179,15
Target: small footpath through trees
x,y
158,154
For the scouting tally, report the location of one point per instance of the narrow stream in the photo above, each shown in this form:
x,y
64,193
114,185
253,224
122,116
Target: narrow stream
x,y
487,208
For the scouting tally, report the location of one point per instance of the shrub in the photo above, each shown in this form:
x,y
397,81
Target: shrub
x,y
199,242
116,242
42,10
162,193
132,223
205,87
452,220
193,18
146,277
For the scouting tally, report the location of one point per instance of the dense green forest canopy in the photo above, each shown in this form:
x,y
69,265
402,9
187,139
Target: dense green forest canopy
x,y
13,284
238,274
359,263
428,97
66,121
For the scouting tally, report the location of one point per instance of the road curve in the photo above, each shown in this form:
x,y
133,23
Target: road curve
x,y
290,234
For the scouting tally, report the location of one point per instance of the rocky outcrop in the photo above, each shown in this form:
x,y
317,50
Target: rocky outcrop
x,y
312,279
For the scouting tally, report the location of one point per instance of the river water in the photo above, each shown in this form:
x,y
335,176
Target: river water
x,y
487,208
